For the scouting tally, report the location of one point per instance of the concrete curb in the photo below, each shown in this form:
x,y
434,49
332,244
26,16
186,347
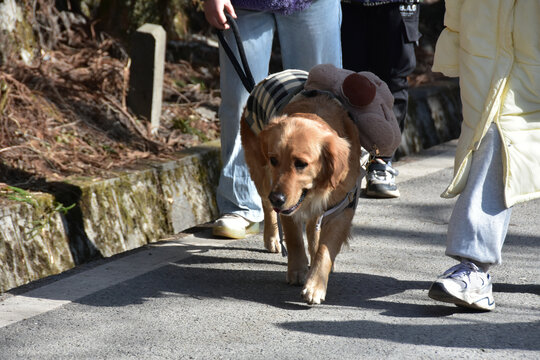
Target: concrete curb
x,y
139,207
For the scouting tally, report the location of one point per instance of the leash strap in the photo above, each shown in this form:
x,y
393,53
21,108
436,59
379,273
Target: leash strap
x,y
284,252
243,70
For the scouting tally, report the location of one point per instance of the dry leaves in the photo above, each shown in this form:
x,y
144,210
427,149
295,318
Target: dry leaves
x,y
66,115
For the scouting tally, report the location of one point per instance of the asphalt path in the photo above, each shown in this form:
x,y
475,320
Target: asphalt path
x,y
195,297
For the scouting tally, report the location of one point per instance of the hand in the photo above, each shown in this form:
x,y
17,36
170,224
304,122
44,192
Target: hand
x,y
214,11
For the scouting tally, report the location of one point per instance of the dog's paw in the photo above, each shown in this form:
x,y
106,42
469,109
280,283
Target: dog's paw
x,y
272,245
297,277
313,294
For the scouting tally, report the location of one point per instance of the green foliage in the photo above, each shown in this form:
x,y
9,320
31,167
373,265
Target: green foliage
x,y
20,195
193,80
184,125
108,149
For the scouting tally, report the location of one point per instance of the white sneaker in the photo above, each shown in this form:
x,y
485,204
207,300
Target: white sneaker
x,y
381,179
464,285
234,226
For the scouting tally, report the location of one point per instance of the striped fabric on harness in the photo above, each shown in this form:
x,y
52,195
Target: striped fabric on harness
x,y
270,96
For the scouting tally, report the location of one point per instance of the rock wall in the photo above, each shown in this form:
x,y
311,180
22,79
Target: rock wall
x,y
434,117
111,216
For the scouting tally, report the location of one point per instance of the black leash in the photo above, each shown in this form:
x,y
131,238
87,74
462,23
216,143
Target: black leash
x,y
243,70
284,252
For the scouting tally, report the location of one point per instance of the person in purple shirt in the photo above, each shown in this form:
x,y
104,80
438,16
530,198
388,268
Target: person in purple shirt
x,y
309,34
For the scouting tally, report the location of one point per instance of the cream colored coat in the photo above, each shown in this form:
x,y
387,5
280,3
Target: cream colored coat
x,y
494,48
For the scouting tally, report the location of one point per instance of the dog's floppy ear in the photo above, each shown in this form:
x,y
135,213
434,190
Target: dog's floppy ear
x,y
335,154
264,140
263,146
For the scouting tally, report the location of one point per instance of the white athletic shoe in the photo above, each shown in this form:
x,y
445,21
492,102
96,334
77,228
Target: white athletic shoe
x,y
464,285
381,179
234,226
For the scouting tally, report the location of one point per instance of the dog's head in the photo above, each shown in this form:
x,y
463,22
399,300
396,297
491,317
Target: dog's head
x,y
307,160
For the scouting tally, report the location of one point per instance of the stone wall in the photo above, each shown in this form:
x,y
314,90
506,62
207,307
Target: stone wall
x,y
111,216
434,117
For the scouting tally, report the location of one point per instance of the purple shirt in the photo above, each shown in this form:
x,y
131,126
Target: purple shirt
x,y
285,7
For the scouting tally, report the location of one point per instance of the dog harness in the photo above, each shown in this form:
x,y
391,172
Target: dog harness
x,y
349,201
270,96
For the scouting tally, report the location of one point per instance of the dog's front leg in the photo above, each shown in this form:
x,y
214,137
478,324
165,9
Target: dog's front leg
x,y
297,264
271,233
313,238
332,236
314,291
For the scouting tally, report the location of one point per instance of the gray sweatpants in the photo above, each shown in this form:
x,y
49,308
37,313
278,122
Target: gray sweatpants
x,y
480,219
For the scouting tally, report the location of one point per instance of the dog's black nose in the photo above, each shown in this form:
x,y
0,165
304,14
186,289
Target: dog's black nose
x,y
277,199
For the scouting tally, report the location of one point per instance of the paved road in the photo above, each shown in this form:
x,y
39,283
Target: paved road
x,y
194,297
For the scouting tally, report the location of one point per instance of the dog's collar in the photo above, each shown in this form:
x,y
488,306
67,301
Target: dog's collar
x,y
349,201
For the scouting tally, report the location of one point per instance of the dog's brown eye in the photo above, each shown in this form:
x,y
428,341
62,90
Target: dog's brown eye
x,y
299,164
273,161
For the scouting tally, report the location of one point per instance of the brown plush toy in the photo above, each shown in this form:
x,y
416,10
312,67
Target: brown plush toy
x,y
369,102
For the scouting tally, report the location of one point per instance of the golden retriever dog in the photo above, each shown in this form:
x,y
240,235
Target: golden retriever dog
x,y
305,164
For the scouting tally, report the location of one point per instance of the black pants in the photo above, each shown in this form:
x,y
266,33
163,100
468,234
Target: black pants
x,y
381,39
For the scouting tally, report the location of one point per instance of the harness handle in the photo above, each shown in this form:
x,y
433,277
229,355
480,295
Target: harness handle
x,y
243,71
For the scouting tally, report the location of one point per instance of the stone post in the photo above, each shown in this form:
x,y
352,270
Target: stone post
x,y
146,73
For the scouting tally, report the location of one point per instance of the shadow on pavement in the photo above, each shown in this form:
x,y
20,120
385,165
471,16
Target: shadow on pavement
x,y
203,277
480,335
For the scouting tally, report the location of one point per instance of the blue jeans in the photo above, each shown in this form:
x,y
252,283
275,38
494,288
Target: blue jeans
x,y
480,219
307,38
